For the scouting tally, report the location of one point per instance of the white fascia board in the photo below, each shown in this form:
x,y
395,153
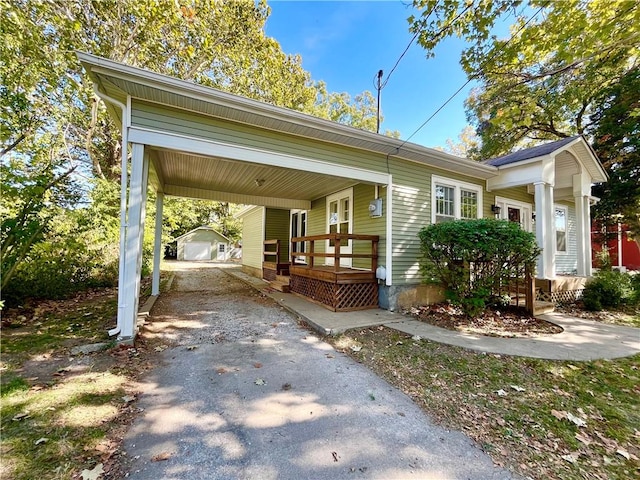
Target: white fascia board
x,y
525,174
210,148
239,198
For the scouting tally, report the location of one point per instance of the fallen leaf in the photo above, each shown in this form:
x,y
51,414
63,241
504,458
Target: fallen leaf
x,y
257,365
128,398
192,347
328,355
571,458
221,370
161,457
286,386
623,453
93,474
43,440
584,438
160,348
416,338
356,348
517,388
573,367
21,416
501,393
260,381
576,420
335,456
560,415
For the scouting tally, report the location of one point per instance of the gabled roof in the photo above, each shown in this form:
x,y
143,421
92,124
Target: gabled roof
x,y
528,153
202,227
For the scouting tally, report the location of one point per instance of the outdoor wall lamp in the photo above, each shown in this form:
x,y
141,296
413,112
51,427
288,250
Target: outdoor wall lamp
x,y
495,209
259,182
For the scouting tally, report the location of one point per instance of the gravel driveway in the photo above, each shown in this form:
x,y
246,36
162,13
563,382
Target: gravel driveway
x,y
243,392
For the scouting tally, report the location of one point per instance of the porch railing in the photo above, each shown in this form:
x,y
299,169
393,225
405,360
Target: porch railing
x,y
267,254
339,239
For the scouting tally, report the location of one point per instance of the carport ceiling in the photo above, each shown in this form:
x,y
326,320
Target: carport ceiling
x,y
183,174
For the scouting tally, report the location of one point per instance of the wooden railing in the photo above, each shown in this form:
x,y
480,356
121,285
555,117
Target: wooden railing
x,y
522,288
271,253
338,239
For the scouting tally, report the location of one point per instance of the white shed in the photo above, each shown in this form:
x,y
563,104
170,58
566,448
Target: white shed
x,y
203,243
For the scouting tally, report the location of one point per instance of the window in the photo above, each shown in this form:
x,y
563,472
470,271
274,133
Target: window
x,y
452,200
561,229
299,229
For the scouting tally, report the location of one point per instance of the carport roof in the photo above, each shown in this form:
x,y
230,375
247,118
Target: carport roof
x,y
119,81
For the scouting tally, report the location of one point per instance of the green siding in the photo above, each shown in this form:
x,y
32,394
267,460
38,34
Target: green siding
x,y
156,117
277,228
252,238
514,193
317,222
363,224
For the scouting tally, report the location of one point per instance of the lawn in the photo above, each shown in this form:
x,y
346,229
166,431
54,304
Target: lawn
x,y
63,414
543,419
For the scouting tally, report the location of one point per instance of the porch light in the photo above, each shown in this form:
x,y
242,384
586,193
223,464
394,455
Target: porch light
x,y
495,209
259,182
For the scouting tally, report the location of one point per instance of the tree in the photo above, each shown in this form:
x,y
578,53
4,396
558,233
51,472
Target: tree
x,y
616,137
466,143
541,83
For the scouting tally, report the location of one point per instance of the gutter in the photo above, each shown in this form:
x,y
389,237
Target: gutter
x,y
123,204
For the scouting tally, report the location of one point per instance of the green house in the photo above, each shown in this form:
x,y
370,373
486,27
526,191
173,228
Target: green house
x,y
343,206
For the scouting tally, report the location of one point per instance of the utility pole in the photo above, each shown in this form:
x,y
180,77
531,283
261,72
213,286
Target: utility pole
x,y
379,88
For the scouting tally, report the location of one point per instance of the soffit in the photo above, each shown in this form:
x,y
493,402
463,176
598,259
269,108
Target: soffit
x,y
218,174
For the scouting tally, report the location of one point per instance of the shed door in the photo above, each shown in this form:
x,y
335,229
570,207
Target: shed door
x,y
197,251
222,251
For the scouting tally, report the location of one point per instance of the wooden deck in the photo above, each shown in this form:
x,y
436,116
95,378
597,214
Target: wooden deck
x,y
335,287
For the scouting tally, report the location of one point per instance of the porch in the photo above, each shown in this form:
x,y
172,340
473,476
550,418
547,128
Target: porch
x,y
335,284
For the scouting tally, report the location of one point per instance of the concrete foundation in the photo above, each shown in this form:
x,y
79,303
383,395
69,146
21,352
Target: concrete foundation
x,y
406,296
253,271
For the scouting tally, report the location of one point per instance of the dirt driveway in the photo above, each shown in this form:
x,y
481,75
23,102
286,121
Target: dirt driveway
x,y
243,392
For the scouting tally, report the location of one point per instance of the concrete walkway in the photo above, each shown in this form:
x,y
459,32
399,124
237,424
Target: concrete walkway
x,y
581,340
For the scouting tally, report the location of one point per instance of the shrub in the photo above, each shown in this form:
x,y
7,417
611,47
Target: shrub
x,y
475,259
608,289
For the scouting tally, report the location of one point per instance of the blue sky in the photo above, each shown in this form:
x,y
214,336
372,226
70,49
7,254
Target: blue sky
x,y
346,43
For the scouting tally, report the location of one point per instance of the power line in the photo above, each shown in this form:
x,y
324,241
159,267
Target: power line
x,y
473,77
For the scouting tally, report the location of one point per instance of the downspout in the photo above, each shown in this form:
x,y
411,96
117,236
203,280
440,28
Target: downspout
x,y
123,205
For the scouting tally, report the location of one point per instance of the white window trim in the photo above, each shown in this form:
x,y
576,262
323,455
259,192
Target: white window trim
x,y
344,248
566,229
301,259
457,186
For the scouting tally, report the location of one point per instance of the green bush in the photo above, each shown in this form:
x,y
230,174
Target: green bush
x,y
475,259
609,289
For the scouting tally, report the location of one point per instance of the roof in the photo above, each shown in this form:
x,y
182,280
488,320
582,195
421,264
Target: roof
x,y
155,87
529,153
202,227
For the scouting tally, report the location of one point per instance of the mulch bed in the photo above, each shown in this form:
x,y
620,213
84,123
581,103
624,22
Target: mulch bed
x,y
504,322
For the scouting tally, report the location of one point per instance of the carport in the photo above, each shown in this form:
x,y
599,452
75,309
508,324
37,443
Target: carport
x,y
191,141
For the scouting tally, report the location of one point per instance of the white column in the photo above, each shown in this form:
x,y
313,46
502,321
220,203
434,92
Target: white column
x,y
583,255
143,217
545,218
586,211
132,249
157,245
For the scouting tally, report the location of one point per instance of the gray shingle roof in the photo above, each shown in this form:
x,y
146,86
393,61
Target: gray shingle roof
x,y
528,153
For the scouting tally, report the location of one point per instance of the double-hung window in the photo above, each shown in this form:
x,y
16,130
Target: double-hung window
x,y
454,200
561,228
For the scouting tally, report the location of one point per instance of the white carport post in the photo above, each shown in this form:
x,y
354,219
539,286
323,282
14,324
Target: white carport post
x,y
157,245
545,220
133,248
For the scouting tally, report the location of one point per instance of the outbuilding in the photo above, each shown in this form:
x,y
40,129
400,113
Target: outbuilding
x,y
203,243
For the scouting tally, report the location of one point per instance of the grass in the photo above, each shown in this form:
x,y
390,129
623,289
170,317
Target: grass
x,y
54,424
527,430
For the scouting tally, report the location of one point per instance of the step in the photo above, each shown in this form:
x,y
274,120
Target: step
x,y
280,286
283,278
540,308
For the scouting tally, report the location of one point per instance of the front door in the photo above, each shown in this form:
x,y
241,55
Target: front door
x,y
299,229
222,251
514,211
340,220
